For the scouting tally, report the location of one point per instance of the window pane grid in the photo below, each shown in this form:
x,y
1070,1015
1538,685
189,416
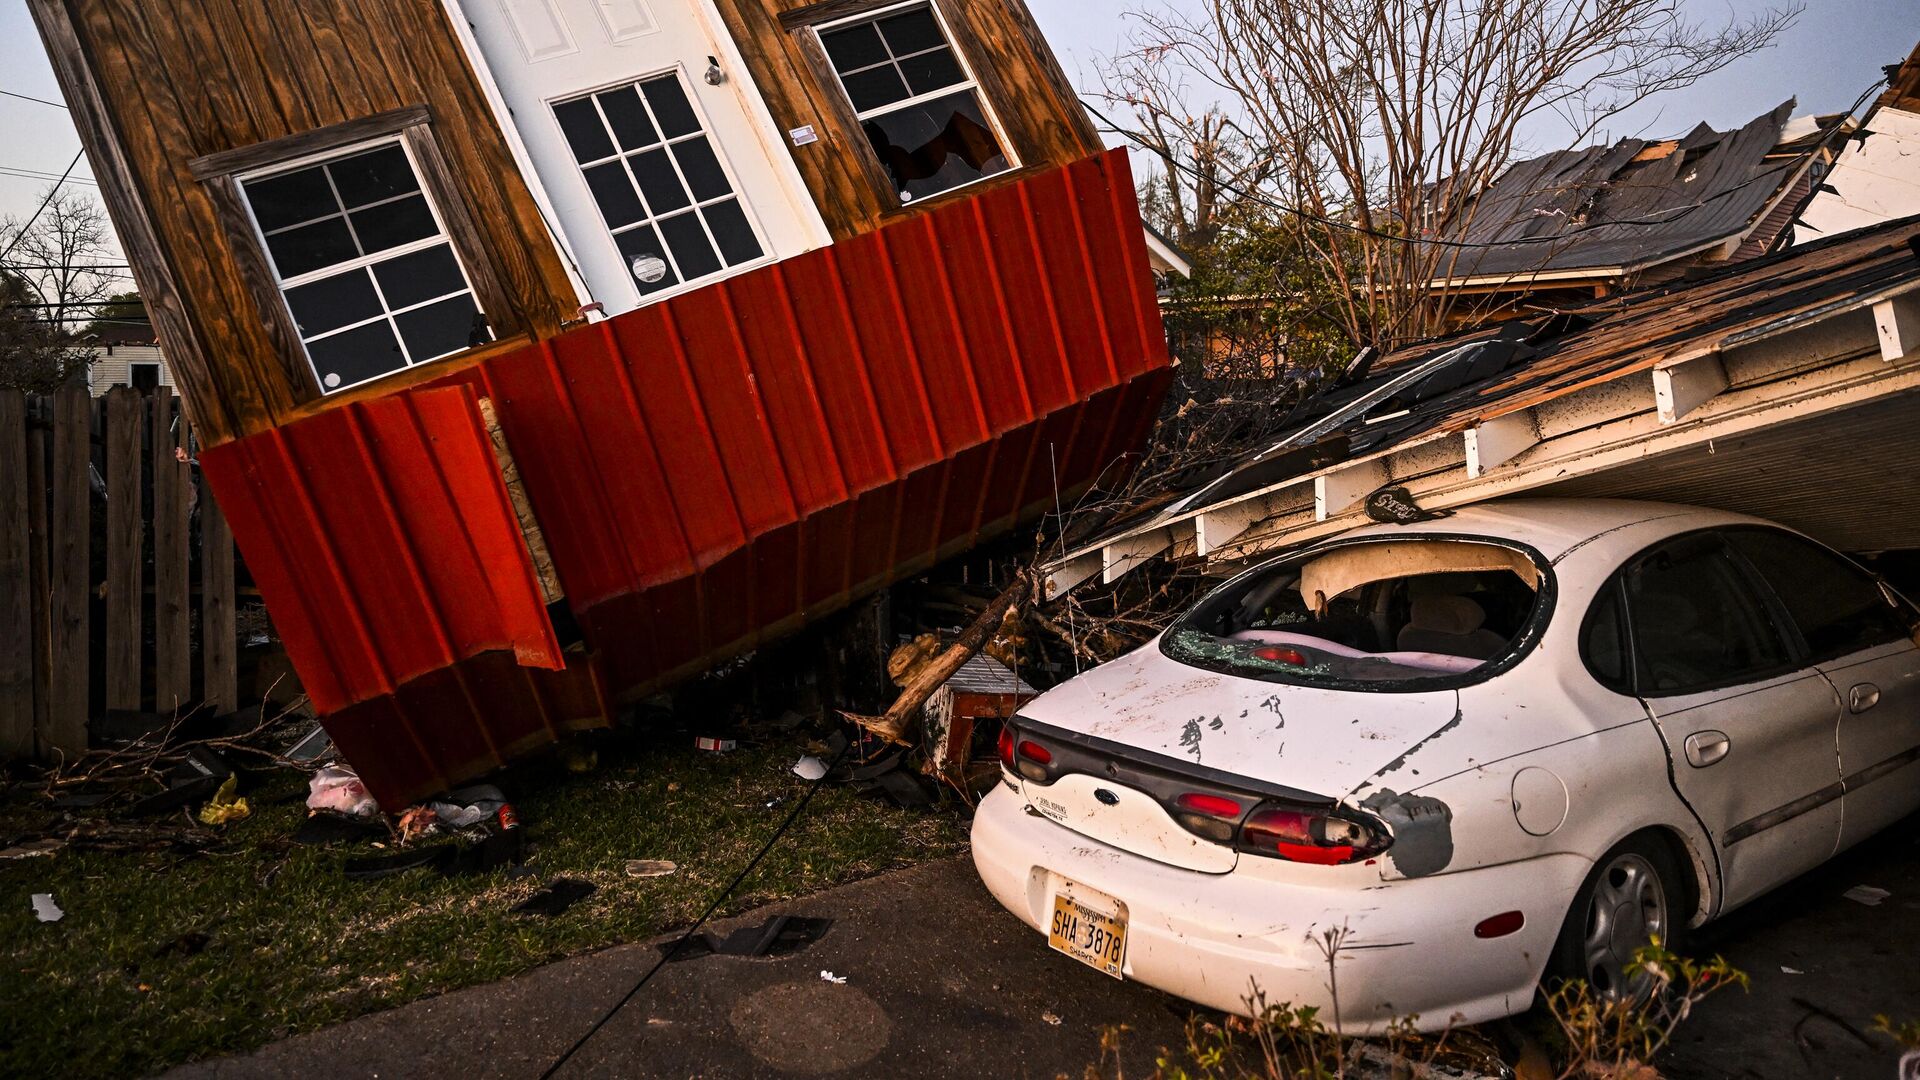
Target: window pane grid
x,y
408,344
648,193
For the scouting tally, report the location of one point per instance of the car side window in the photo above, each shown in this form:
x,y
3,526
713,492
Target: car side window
x,y
1837,606
1698,623
1603,642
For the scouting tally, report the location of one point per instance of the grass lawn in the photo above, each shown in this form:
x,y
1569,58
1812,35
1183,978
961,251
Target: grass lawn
x,y
117,988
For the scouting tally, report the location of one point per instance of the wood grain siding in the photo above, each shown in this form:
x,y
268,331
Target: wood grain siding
x,y
158,84
1018,76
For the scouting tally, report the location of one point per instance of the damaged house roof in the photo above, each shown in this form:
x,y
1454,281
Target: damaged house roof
x,y
1828,325
1632,205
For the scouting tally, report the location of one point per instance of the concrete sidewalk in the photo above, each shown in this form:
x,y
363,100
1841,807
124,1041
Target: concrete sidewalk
x,y
940,982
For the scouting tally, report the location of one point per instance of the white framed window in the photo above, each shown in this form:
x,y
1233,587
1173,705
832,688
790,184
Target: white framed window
x,y
916,99
364,261
662,189
143,375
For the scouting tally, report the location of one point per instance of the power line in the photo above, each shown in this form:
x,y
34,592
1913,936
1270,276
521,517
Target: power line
x,y
66,266
29,97
44,203
34,174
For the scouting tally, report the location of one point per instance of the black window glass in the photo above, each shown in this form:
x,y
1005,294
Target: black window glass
x,y
670,107
912,31
658,182
628,118
440,328
691,248
613,191
354,356
419,276
1837,606
144,377
394,223
333,302
731,231
310,247
641,243
936,145
702,169
931,70
291,198
370,177
586,135
854,47
875,87
1697,622
1603,642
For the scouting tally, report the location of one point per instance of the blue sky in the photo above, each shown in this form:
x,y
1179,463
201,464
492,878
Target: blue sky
x,y
1836,49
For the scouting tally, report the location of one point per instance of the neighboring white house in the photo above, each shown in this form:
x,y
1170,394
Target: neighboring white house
x,y
126,356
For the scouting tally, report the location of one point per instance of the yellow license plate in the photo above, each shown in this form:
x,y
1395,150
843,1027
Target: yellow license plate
x,y
1094,938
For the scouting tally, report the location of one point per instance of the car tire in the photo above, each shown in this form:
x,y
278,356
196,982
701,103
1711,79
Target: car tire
x,y
1633,893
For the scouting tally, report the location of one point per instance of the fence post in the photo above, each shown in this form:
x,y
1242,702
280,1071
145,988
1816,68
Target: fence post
x,y
70,574
124,535
172,657
219,670
16,582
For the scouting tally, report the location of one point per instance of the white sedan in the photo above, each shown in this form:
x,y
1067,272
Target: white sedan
x,y
1508,744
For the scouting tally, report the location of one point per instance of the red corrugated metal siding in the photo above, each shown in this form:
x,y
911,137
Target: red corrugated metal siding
x,y
720,466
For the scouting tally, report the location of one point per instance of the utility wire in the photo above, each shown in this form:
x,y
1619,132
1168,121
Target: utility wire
x,y
28,97
719,899
44,203
1552,238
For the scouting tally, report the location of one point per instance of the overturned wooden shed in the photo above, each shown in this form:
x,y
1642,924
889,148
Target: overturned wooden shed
x,y
547,351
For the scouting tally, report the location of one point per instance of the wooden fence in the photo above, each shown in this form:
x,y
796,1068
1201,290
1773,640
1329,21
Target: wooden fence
x,y
100,569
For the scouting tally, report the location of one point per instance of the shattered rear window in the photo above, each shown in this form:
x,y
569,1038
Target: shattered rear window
x,y
1409,614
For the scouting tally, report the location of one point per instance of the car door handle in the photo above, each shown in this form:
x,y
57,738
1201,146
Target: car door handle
x,y
1707,747
1863,696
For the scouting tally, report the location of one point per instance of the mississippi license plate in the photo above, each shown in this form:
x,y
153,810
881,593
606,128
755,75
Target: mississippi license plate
x,y
1094,938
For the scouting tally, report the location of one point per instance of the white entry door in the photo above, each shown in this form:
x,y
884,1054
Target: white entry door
x,y
649,139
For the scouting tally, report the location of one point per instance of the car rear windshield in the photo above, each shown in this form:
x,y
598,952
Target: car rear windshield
x,y
1391,614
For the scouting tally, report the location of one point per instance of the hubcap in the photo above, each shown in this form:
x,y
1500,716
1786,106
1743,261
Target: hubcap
x,y
1628,909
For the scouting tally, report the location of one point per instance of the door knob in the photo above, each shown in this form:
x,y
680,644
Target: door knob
x,y
1863,696
1706,747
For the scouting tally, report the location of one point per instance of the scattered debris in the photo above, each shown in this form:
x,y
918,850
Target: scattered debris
x,y
1050,1018
46,845
452,860
468,806
828,976
1866,894
713,744
780,935
332,827
225,805
418,822
1785,970
809,768
312,747
557,897
199,774
644,868
933,672
338,788
46,909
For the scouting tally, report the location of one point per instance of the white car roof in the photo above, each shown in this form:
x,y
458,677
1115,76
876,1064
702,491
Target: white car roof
x,y
1554,527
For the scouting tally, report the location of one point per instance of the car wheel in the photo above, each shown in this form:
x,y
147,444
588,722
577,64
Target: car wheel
x,y
1634,894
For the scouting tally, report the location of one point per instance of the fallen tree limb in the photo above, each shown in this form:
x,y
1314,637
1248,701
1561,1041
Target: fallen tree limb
x,y
932,675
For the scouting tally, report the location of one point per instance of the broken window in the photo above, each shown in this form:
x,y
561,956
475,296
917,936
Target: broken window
x,y
661,189
1369,615
917,104
365,263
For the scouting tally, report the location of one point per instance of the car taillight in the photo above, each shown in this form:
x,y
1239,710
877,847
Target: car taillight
x,y
1033,751
1280,655
1006,747
1028,758
1310,835
1205,815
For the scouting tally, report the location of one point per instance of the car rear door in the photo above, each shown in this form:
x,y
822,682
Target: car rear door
x,y
1749,726
1862,642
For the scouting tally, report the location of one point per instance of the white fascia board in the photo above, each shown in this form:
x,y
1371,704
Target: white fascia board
x,y
1897,320
1343,489
1064,576
1216,526
1119,557
1683,385
1495,442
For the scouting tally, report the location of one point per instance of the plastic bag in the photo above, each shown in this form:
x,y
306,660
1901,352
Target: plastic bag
x,y
338,788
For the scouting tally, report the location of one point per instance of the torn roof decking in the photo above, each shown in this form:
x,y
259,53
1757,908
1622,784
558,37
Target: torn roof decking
x,y
1618,208
1468,404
